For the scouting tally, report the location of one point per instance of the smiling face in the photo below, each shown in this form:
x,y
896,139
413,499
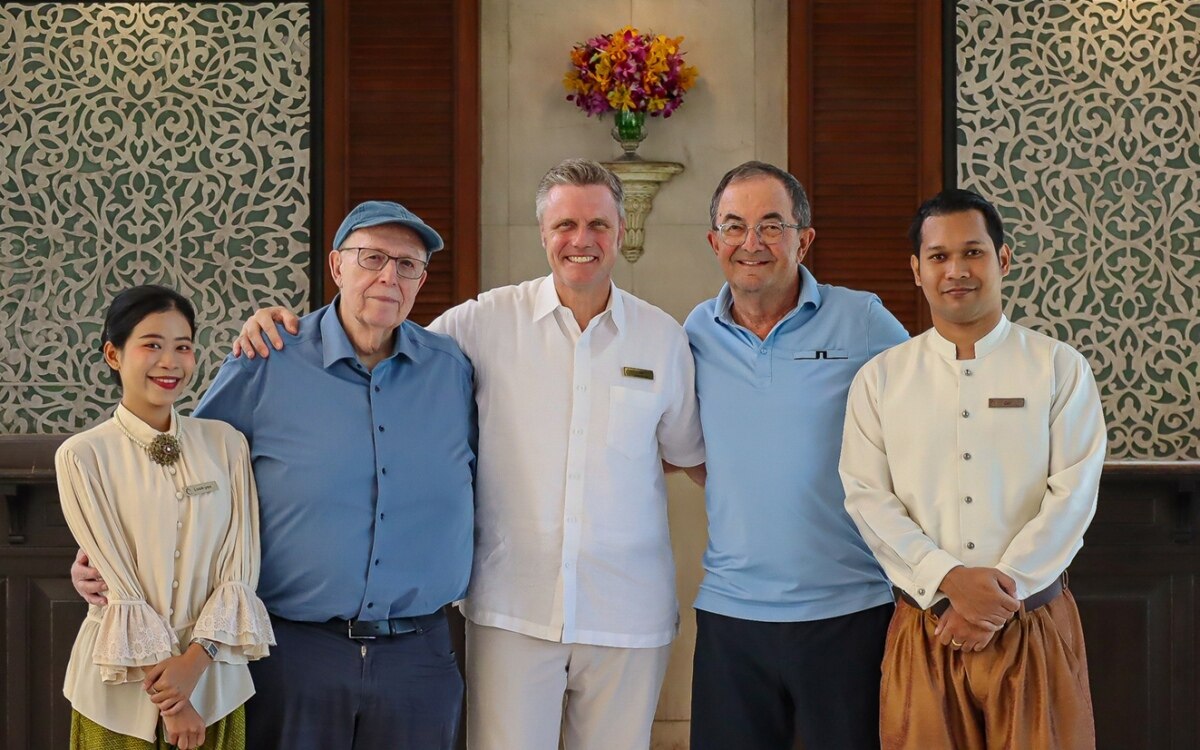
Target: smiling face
x,y
376,302
154,365
960,271
754,268
581,230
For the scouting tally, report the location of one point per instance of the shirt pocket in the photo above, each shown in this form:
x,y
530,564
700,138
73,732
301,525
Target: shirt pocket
x,y
633,421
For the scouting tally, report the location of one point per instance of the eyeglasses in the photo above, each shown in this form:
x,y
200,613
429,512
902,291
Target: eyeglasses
x,y
374,260
769,232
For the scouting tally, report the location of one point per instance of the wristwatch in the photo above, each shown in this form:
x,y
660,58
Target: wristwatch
x,y
209,647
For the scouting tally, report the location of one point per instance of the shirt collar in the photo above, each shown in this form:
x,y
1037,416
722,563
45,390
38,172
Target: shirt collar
x,y
547,301
810,295
141,431
983,347
336,346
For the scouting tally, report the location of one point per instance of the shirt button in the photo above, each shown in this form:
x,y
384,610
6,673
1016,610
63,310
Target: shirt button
x,y
968,499
176,554
179,524
377,389
571,519
383,470
381,428
968,372
566,566
170,610
578,432
970,545
762,350
581,387
174,584
178,495
376,562
172,470
920,592
966,413
966,456
370,605
380,516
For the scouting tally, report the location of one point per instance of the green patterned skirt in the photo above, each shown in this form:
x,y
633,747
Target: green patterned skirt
x,y
227,734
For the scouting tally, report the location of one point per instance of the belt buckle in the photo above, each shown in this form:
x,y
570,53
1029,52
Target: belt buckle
x,y
350,633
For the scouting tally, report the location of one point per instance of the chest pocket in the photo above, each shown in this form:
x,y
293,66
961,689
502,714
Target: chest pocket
x,y
633,421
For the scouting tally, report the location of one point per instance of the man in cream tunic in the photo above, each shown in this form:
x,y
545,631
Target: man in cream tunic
x,y
971,459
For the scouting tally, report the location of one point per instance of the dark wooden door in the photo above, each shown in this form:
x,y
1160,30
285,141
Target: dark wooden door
x,y
1135,581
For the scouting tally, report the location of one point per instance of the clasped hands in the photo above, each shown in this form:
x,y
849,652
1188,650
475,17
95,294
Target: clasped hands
x,y
170,682
982,600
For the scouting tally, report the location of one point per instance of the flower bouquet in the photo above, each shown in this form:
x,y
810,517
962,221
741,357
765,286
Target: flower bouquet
x,y
631,74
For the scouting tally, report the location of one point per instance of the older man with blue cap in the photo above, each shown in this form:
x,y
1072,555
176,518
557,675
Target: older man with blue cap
x,y
362,434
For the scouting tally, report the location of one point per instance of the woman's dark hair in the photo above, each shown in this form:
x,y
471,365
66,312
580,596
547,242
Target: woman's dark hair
x,y
132,305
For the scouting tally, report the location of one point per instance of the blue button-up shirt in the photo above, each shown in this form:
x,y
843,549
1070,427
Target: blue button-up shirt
x,y
364,477
781,547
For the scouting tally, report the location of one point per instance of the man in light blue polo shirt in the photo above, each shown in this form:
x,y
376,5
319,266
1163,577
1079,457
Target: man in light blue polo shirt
x,y
793,609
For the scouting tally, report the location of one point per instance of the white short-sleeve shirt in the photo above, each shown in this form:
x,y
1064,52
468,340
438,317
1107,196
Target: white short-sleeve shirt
x,y
571,532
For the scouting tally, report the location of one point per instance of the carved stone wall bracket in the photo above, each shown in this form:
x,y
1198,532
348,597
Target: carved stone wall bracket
x,y
641,180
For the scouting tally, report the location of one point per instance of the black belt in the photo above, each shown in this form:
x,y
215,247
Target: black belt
x,y
370,629
1039,599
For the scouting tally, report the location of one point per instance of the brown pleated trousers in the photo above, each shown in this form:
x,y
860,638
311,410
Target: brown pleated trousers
x,y
1027,690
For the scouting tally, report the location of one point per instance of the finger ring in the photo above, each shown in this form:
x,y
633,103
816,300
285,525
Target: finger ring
x,y
955,643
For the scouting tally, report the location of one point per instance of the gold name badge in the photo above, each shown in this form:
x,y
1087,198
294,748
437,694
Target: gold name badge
x,y
199,489
635,372
1006,403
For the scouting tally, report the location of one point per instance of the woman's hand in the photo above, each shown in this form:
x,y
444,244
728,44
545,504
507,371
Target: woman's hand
x,y
170,682
185,729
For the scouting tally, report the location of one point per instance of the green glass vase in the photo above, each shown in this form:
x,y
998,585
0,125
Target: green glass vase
x,y
629,130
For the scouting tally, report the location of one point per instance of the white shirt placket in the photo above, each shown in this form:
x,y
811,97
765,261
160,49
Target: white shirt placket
x,y
577,454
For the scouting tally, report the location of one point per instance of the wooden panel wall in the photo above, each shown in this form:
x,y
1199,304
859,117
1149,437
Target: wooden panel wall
x,y
402,124
865,136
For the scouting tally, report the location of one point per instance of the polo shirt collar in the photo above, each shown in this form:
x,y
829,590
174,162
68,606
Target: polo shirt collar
x,y
547,301
336,346
983,347
810,295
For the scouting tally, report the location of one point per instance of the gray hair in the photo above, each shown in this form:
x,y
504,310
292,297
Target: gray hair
x,y
579,172
801,211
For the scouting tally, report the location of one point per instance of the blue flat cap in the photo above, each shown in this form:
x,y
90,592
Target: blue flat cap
x,y
374,213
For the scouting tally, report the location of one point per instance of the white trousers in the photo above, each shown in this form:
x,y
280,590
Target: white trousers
x,y
523,692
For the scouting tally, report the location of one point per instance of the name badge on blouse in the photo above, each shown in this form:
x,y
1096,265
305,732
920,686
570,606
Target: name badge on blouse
x,y
199,489
636,372
1006,403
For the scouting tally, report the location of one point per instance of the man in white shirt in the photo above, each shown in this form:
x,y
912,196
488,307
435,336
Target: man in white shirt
x,y
583,392
971,459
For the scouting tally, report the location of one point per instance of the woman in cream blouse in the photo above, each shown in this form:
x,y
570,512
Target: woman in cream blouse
x,y
165,508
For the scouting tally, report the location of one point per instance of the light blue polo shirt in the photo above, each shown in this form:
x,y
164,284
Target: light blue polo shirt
x,y
781,547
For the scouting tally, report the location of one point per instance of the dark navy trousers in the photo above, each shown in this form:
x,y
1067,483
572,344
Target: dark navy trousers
x,y
319,690
758,685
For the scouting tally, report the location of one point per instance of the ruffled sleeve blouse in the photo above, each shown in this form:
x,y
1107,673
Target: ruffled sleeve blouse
x,y
178,547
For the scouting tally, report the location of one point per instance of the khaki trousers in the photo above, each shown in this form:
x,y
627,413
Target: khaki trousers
x,y
1028,689
523,693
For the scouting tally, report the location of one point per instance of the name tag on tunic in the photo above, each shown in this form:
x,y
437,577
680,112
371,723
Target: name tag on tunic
x,y
199,489
635,372
1006,403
